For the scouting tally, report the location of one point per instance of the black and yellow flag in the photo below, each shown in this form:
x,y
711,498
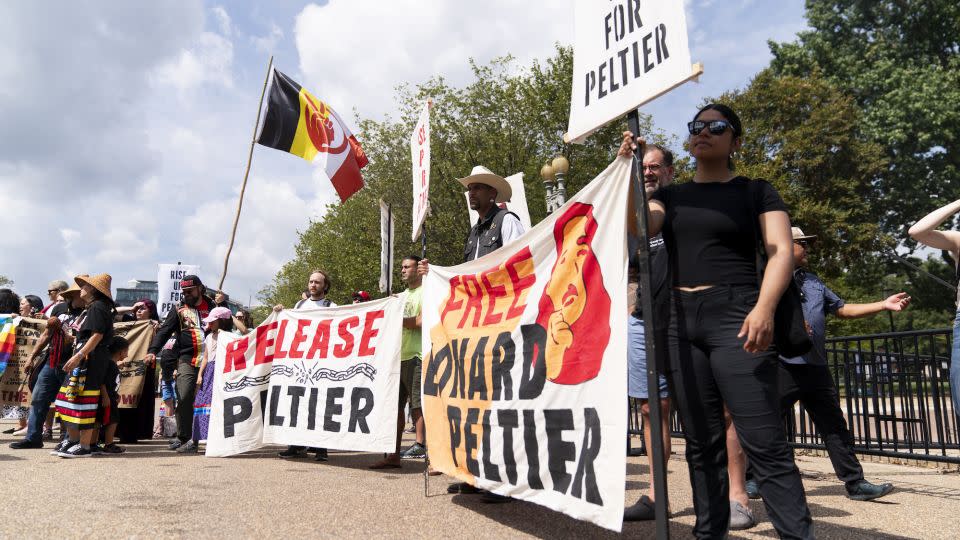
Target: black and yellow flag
x,y
299,123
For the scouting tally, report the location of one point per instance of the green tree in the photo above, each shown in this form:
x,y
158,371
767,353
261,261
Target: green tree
x,y
900,61
506,120
4,281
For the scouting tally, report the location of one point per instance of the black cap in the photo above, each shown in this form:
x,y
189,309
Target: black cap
x,y
190,281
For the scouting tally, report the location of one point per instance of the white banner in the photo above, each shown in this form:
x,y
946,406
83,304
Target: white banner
x,y
524,386
322,377
168,285
517,203
625,53
420,156
386,246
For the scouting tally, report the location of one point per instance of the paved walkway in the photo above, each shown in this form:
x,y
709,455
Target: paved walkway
x,y
150,492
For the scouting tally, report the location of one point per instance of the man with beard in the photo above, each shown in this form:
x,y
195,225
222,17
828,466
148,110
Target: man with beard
x,y
497,226
183,323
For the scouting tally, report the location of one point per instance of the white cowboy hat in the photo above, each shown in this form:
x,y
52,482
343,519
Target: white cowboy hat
x,y
798,234
483,175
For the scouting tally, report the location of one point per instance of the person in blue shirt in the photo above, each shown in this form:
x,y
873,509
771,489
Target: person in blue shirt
x,y
807,379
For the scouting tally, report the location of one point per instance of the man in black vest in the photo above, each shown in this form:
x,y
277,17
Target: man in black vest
x,y
497,226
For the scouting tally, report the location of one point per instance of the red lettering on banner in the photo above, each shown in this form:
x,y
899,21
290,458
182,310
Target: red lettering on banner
x,y
452,303
369,333
343,350
279,352
493,292
321,340
298,338
236,355
264,341
474,300
520,284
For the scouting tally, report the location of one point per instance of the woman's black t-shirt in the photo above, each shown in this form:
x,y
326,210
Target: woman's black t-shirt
x,y
709,230
99,320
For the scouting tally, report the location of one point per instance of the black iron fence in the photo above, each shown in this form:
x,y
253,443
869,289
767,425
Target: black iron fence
x,y
894,391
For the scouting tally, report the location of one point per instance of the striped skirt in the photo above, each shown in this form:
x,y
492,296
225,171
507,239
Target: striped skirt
x,y
79,396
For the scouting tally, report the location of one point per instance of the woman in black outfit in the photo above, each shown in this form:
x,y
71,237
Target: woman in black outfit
x,y
721,326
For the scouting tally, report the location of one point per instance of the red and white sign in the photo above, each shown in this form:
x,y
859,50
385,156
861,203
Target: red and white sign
x,y
320,377
420,156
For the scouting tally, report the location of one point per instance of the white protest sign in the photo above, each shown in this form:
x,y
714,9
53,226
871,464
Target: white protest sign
x,y
168,285
517,203
386,246
523,380
319,377
420,156
626,53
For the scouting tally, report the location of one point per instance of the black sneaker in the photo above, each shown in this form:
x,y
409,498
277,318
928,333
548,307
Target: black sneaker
x,y
416,451
25,444
96,449
642,510
188,447
62,446
865,491
293,452
76,451
321,455
174,444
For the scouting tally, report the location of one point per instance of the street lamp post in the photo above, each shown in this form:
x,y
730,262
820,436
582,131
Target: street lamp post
x,y
552,174
547,174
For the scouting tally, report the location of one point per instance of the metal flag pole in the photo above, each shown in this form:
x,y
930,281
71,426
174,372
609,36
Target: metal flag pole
x,y
243,186
659,471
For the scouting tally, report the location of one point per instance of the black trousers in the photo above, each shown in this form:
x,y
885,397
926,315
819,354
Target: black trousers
x,y
186,392
813,387
709,368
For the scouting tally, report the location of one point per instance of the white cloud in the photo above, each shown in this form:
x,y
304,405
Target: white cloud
x,y
223,20
208,60
353,58
268,43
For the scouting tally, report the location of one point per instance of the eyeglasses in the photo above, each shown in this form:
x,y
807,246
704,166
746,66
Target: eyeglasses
x,y
802,243
653,167
716,127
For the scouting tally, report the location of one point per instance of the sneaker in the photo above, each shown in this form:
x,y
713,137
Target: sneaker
x,y
188,447
62,446
753,490
113,448
174,444
416,451
321,455
865,491
96,449
75,451
24,444
740,517
293,452
641,510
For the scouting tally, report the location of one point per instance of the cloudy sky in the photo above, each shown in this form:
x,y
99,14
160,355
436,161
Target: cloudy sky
x,y
126,125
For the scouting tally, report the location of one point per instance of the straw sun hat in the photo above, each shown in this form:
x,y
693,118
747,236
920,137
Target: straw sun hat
x,y
100,282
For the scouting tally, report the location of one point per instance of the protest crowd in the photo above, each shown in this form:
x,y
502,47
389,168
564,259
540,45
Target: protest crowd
x,y
713,313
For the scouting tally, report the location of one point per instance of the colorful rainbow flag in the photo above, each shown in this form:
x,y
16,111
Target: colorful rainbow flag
x,y
8,339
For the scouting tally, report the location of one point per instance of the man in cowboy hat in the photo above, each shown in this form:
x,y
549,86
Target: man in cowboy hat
x,y
807,378
497,226
54,348
184,323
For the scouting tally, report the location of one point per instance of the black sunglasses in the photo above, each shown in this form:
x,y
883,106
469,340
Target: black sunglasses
x,y
803,243
716,127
